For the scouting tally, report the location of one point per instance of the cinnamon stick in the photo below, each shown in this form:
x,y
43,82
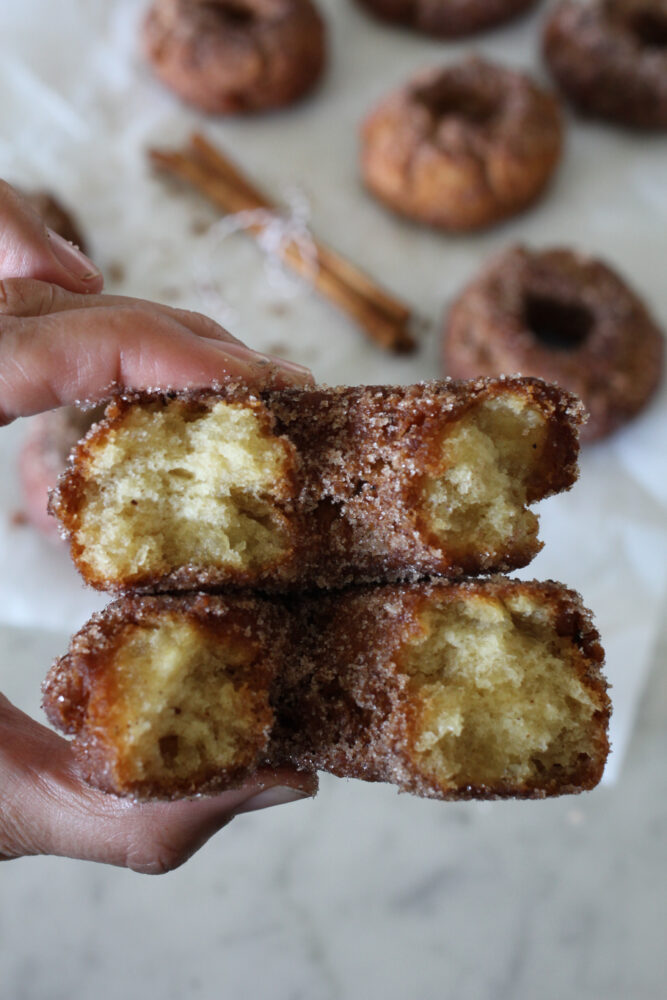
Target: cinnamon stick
x,y
384,318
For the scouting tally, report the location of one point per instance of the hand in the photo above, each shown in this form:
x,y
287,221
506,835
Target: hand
x,y
61,342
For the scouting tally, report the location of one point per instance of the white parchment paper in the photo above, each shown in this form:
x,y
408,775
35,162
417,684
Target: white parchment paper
x,y
78,112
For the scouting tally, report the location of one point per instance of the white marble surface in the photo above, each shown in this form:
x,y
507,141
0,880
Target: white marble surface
x,y
361,893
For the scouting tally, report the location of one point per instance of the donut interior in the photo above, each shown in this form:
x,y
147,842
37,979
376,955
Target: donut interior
x,y
176,484
498,697
177,705
477,497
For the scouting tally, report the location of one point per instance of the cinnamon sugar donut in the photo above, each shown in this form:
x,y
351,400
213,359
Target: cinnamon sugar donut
x,y
563,317
609,58
315,487
448,18
485,689
462,147
234,56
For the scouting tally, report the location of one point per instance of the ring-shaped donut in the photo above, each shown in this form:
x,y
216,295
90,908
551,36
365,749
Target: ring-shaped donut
x,y
235,56
462,147
563,317
609,57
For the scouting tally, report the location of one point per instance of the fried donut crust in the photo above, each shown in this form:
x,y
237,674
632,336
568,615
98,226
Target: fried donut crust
x,y
565,317
609,58
462,147
448,18
295,488
236,56
481,689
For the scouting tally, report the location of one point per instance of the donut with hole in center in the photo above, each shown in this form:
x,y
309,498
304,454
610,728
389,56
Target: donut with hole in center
x,y
609,57
462,147
563,317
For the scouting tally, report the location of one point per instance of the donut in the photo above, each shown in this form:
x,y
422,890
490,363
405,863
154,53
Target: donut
x,y
236,56
447,18
315,487
483,689
462,147
56,216
609,58
564,317
43,456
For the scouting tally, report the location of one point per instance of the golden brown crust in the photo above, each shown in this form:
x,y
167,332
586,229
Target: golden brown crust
x,y
334,667
564,317
462,147
448,18
356,460
609,58
236,56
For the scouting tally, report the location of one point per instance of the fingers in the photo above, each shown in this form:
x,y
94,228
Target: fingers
x,y
23,297
29,249
47,809
68,357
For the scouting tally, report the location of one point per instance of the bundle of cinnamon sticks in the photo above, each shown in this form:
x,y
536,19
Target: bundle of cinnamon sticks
x,y
384,318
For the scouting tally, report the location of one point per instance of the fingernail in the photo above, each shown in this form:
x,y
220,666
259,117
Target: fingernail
x,y
72,258
279,795
257,358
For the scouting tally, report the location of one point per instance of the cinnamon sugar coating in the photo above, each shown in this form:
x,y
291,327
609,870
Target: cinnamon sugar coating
x,y
236,56
448,18
294,488
564,317
609,57
481,689
462,147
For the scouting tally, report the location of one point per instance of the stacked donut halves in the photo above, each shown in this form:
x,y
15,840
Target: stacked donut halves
x,y
477,688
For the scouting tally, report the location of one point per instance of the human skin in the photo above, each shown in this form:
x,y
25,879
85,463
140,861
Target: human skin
x,y
63,341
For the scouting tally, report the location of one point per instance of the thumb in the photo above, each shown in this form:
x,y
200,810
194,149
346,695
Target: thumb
x,y
28,249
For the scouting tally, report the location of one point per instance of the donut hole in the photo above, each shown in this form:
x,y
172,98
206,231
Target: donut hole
x,y
649,28
444,99
237,15
557,325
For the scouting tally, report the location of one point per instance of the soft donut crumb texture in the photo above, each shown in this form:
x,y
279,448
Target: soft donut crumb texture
x,y
500,699
316,487
477,690
170,487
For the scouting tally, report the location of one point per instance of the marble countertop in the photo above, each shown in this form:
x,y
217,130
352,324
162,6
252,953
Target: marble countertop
x,y
361,893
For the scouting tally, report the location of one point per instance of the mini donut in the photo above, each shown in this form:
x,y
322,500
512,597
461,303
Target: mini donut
x,y
56,216
235,56
565,318
609,57
462,147
448,18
